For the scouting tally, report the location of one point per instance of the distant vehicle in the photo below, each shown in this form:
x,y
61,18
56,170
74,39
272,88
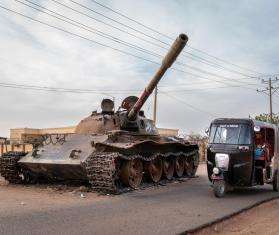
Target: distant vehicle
x,y
242,153
113,150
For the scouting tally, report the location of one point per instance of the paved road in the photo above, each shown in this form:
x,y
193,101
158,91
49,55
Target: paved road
x,y
169,209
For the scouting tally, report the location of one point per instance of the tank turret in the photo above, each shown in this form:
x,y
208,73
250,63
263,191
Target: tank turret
x,y
130,118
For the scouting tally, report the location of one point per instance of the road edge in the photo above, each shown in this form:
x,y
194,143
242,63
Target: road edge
x,y
221,219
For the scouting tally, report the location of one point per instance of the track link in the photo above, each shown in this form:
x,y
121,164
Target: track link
x,y
9,168
103,170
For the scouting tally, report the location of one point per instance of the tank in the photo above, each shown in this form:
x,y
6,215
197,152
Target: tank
x,y
112,150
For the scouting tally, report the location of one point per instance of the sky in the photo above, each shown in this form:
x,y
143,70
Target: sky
x,y
243,33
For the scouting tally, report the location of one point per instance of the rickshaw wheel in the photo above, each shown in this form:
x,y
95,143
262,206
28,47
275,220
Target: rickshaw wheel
x,y
276,181
219,188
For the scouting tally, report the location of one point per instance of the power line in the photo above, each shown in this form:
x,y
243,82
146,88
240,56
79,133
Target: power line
x,y
210,88
77,35
108,46
87,28
115,39
171,38
118,22
61,89
187,104
133,20
271,90
136,36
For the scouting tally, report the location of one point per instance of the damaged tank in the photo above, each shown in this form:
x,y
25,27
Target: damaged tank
x,y
112,150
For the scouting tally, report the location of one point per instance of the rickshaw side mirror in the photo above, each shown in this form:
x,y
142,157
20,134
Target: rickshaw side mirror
x,y
257,128
207,131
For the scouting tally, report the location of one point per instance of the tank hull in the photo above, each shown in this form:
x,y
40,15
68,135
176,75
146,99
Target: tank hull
x,y
102,160
56,172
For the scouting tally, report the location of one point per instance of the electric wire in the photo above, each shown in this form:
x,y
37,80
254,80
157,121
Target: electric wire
x,y
117,40
168,37
108,46
187,104
141,38
67,90
208,88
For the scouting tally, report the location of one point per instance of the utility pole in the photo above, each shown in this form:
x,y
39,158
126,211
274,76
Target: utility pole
x,y
270,99
271,90
155,105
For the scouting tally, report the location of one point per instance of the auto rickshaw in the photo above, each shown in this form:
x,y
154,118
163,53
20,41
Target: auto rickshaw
x,y
242,153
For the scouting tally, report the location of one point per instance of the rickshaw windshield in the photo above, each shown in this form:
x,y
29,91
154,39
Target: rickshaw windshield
x,y
230,134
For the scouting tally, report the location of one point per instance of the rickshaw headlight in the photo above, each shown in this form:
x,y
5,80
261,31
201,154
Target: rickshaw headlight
x,y
222,160
216,171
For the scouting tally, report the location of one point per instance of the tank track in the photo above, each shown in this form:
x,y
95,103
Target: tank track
x,y
9,168
103,172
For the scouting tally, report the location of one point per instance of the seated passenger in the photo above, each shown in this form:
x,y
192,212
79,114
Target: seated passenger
x,y
259,153
260,148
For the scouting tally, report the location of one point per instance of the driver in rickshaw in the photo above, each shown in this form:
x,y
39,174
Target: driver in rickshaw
x,y
262,149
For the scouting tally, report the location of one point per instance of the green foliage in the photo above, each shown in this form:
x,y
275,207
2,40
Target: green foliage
x,y
265,118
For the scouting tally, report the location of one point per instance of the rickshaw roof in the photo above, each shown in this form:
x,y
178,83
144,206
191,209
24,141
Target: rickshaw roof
x,y
244,121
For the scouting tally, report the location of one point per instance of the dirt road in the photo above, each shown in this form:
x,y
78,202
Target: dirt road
x,y
169,209
262,219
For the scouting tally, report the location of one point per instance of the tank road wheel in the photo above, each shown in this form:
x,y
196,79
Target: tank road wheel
x,y
179,166
168,168
155,169
132,173
190,168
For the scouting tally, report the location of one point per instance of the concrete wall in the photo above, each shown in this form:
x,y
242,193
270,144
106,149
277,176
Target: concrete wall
x,y
168,132
15,147
19,135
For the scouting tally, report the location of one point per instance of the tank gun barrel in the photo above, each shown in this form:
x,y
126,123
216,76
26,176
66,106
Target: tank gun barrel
x,y
167,62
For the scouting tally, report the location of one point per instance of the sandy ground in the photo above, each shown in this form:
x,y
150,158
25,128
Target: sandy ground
x,y
262,219
23,198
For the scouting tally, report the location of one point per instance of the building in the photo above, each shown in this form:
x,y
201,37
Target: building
x,y
19,135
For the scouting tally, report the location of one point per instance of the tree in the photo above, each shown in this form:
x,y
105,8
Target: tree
x,y
266,118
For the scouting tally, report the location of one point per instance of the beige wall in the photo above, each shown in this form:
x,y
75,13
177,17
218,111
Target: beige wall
x,y
18,148
19,134
168,132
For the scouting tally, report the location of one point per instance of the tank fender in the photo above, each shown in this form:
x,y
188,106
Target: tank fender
x,y
146,147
